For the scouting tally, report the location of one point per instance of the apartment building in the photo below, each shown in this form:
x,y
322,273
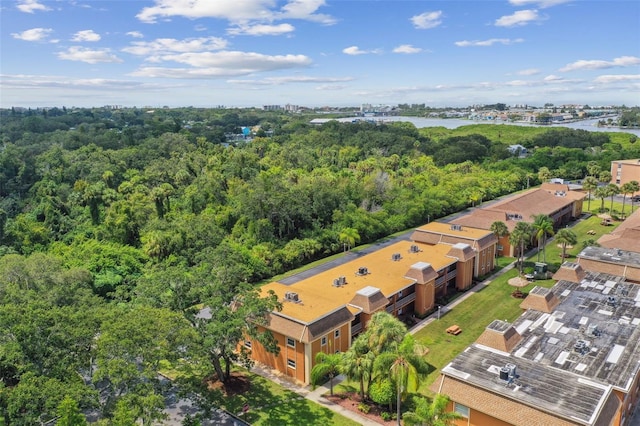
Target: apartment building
x,y
571,358
623,171
324,312
552,199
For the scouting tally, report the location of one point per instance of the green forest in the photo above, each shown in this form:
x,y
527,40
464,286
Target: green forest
x,y
117,226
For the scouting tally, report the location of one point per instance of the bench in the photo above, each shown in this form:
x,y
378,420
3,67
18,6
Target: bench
x,y
454,329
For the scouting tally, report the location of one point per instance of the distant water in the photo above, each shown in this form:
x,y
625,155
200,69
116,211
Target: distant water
x,y
453,123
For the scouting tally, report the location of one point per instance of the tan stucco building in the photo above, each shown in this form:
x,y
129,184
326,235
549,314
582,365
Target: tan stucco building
x,y
327,310
623,171
552,199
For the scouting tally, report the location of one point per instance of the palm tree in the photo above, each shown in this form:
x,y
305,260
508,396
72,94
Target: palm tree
x,y
327,365
434,414
601,193
500,229
542,226
566,237
349,237
406,366
612,191
521,235
384,332
589,184
357,363
628,188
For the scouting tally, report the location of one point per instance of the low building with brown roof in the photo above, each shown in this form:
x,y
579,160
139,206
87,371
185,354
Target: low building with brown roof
x,y
552,199
626,236
325,311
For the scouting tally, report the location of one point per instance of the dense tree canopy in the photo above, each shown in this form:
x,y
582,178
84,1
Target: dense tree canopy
x,y
117,225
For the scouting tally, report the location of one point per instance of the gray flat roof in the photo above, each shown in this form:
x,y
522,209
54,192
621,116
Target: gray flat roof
x,y
568,360
611,255
594,332
559,393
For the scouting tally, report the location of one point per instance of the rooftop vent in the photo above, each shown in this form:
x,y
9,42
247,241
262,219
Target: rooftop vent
x,y
593,330
581,346
611,301
340,281
396,256
363,270
414,248
508,373
456,227
291,296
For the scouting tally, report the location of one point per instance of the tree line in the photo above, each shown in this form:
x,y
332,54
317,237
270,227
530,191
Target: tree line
x,y
117,227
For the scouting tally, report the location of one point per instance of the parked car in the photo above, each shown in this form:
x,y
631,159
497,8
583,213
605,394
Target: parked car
x,y
636,198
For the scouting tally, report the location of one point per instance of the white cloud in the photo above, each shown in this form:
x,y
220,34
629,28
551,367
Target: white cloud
x,y
34,34
489,42
616,78
171,45
519,18
407,48
30,6
261,29
539,3
305,9
623,61
85,35
529,71
235,11
427,20
222,64
135,34
277,81
355,50
90,56
24,81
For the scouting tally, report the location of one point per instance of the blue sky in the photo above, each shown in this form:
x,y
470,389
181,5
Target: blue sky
x,y
242,53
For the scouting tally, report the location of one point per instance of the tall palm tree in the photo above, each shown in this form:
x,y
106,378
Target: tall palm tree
x,y
566,237
349,237
499,229
589,184
628,188
357,363
543,227
406,366
612,191
601,193
434,414
327,365
519,237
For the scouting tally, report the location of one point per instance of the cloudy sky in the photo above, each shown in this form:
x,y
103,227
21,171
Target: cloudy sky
x,y
318,52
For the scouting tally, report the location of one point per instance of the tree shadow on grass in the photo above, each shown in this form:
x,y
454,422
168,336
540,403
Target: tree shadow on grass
x,y
297,411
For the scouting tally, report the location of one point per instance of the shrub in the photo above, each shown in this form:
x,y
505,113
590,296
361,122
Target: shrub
x,y
364,408
382,392
386,416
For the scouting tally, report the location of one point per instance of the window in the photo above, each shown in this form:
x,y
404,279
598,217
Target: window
x,y
336,333
291,343
291,363
463,410
500,247
323,341
399,294
247,344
